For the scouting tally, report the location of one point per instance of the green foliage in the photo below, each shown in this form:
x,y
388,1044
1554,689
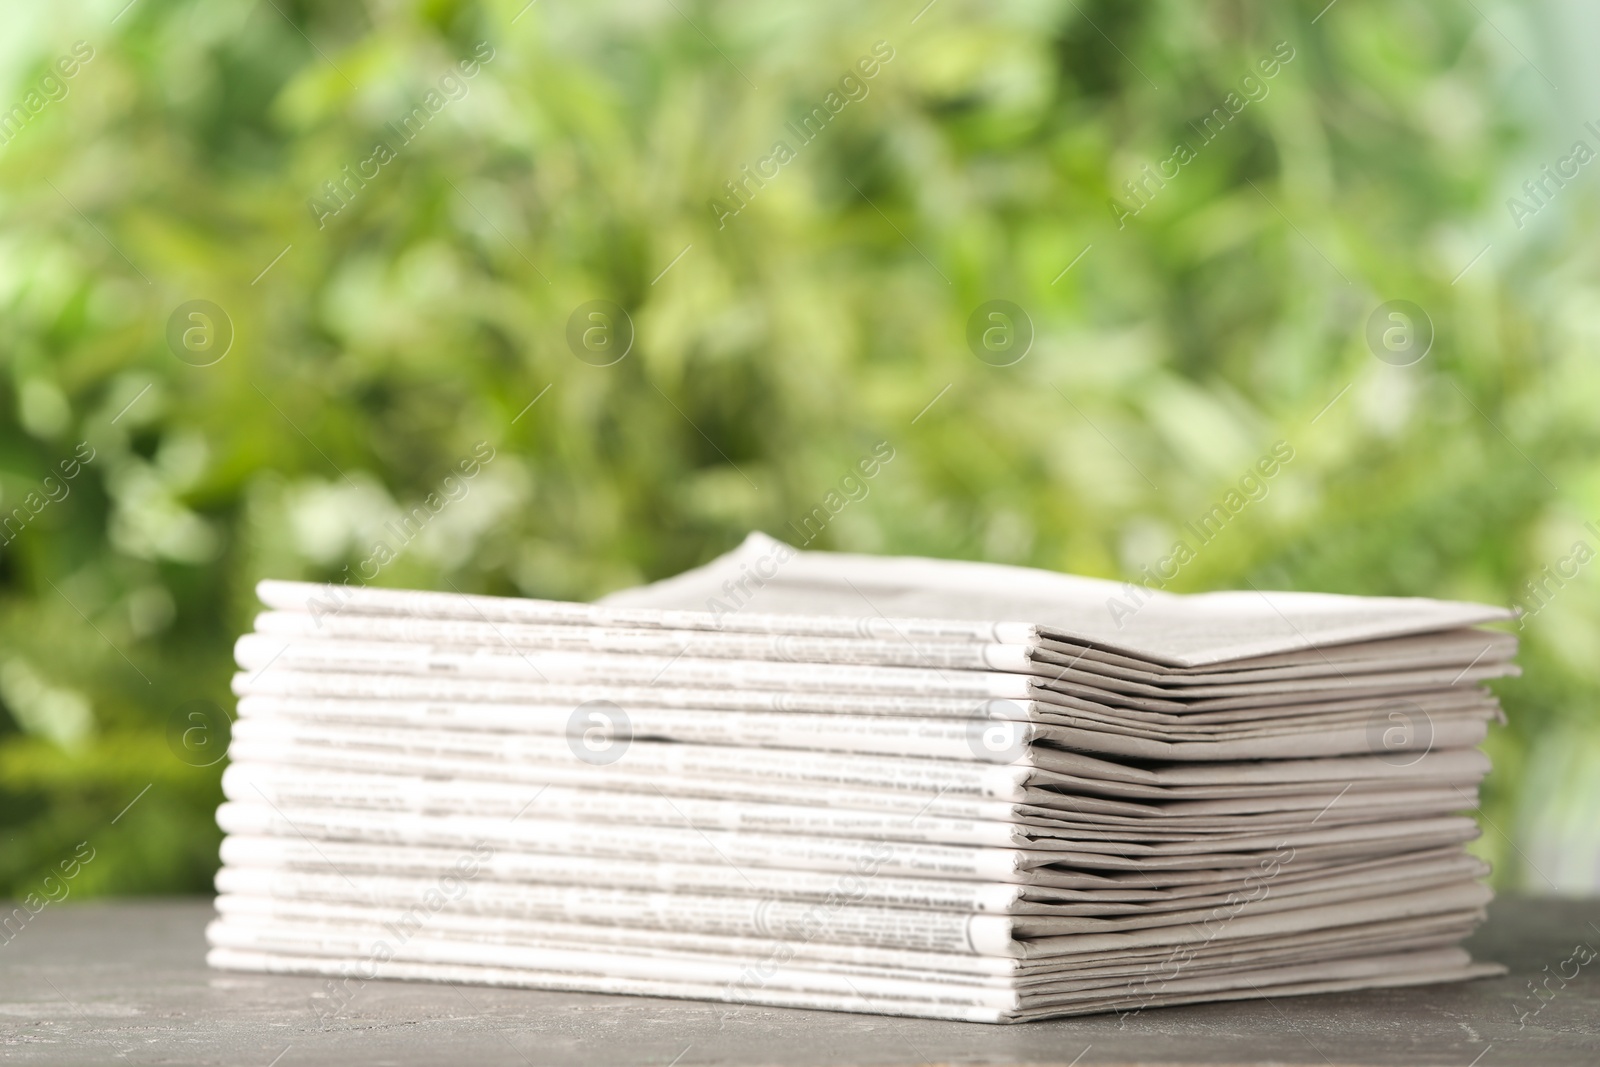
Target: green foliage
x,y
375,346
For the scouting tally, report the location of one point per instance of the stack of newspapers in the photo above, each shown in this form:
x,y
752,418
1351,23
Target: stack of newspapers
x,y
904,786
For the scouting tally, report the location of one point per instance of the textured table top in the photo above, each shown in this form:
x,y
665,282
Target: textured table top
x,y
126,982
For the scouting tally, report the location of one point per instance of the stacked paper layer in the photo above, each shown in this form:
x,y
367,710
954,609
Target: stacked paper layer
x,y
904,786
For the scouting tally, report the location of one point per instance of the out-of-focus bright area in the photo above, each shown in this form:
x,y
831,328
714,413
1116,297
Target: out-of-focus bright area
x,y
271,270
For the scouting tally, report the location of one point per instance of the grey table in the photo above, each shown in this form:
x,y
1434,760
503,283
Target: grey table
x,y
126,982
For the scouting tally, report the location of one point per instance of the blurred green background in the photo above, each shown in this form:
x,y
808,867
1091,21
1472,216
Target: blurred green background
x,y
372,347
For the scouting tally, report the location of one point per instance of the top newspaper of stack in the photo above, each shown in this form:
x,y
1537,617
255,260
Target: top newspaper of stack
x,y
767,601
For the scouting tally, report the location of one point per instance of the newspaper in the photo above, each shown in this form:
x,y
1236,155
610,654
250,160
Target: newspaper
x,y
1403,969
1061,864
1458,722
904,786
898,784
255,652
350,694
521,755
640,956
922,930
1053,773
1390,935
778,589
1092,802
1455,648
291,787
1126,897
277,680
747,915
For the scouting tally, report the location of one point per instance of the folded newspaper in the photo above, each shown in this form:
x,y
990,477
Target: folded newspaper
x,y
901,786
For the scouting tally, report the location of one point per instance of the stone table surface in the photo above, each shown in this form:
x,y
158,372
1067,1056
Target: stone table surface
x,y
126,982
